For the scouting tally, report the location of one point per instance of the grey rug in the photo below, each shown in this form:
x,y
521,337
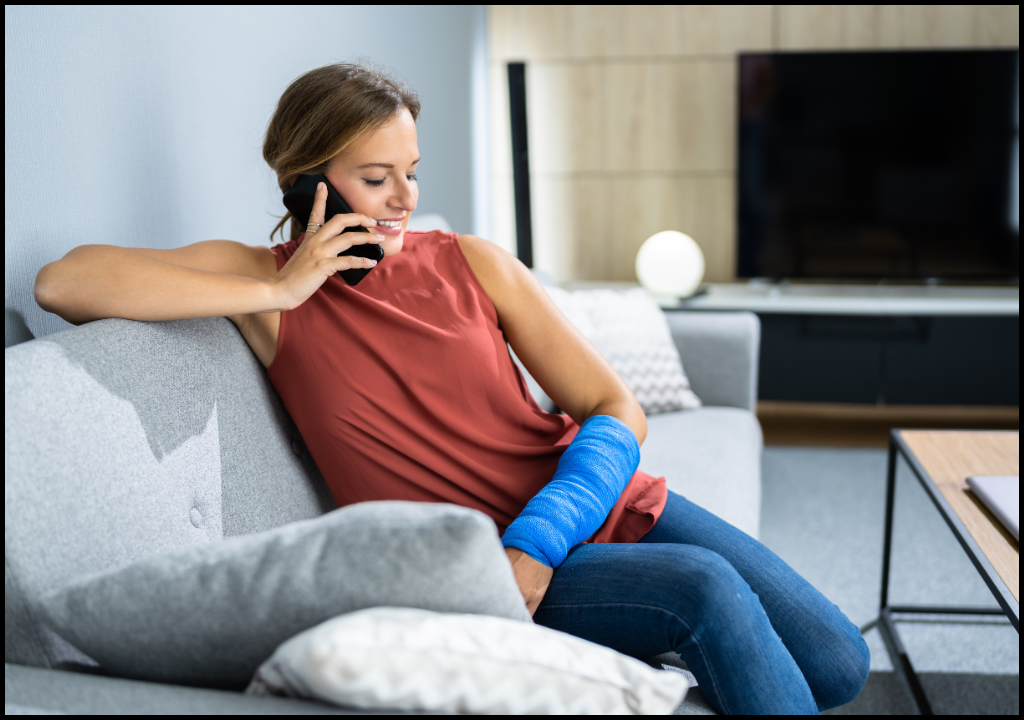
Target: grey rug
x,y
823,512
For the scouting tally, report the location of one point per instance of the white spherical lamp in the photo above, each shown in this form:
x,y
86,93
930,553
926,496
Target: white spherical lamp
x,y
670,264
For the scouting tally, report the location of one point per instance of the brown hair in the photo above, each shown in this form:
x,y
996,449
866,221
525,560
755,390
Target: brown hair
x,y
322,113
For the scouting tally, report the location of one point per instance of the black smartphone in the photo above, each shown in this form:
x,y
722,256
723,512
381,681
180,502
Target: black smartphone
x,y
299,201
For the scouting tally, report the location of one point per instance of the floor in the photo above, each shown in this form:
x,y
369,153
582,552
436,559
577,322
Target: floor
x,y
823,512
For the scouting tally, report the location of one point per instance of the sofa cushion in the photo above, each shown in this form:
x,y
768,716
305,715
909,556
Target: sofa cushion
x,y
415,660
209,615
35,691
629,329
124,439
720,352
712,456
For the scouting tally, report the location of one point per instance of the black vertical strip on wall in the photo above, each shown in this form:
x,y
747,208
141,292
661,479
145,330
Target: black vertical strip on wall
x,y
520,161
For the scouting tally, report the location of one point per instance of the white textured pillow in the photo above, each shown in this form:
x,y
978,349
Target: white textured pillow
x,y
407,659
630,331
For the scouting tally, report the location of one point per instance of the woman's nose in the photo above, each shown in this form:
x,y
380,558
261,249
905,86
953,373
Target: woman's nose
x,y
406,195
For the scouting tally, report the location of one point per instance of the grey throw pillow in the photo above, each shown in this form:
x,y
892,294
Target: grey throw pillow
x,y
210,615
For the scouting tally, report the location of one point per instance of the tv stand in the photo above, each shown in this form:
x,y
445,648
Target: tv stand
x,y
818,299
880,344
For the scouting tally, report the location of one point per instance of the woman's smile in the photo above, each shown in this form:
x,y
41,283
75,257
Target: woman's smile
x,y
390,227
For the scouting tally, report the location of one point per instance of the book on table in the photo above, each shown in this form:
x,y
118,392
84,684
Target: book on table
x,y
1001,494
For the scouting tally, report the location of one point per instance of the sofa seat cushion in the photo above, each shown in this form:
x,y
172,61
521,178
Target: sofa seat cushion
x,y
209,615
35,691
712,456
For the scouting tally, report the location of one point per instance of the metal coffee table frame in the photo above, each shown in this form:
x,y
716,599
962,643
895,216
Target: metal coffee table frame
x,y
1008,606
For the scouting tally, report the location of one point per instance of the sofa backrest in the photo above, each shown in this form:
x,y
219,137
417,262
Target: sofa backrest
x,y
123,439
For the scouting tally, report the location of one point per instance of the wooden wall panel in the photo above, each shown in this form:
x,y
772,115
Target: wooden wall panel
x,y
568,117
997,25
632,113
503,218
725,29
547,32
625,117
822,27
584,32
670,115
640,206
811,27
925,26
570,217
630,30
590,228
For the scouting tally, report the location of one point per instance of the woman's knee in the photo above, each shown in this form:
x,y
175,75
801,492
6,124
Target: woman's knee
x,y
845,669
834,659
708,586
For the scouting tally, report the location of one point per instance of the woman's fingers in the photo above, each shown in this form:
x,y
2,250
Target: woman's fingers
x,y
352,262
317,257
337,224
316,215
341,243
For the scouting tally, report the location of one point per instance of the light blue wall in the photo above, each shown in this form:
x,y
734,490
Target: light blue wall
x,y
143,126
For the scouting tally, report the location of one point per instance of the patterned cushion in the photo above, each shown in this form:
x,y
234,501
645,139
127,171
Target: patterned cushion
x,y
630,330
416,660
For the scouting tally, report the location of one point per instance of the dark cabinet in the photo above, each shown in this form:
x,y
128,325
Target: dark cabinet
x,y
959,360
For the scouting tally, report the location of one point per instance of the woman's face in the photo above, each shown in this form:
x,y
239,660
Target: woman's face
x,y
376,176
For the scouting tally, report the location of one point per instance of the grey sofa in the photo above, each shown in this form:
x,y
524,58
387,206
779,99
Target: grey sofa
x,y
127,439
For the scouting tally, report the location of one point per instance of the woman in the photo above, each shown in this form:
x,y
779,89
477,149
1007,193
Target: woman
x,y
403,388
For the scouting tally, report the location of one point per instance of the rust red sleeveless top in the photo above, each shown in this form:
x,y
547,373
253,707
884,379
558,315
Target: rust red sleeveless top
x,y
403,389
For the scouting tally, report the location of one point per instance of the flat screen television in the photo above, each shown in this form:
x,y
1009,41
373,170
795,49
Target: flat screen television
x,y
879,166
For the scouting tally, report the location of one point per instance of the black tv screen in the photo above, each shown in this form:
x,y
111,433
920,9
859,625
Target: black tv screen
x,y
879,165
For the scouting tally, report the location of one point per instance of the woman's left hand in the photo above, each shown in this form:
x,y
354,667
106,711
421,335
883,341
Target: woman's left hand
x,y
532,577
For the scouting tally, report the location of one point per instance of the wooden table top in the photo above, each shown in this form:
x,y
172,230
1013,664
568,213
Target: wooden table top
x,y
950,457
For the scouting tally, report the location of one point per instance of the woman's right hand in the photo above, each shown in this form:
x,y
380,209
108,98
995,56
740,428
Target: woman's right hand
x,y
532,577
316,259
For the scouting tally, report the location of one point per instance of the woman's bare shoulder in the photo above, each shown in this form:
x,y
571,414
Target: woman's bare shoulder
x,y
498,271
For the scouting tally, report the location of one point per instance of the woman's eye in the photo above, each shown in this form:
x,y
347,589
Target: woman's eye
x,y
412,177
373,183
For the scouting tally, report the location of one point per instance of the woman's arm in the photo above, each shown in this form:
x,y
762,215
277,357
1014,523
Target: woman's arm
x,y
208,279
569,369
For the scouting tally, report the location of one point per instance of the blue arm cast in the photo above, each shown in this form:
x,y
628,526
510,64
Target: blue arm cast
x,y
591,475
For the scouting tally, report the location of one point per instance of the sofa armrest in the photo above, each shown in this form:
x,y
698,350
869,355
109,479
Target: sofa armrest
x,y
720,353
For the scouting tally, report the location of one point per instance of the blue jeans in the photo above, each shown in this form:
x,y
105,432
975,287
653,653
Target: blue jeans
x,y
756,635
